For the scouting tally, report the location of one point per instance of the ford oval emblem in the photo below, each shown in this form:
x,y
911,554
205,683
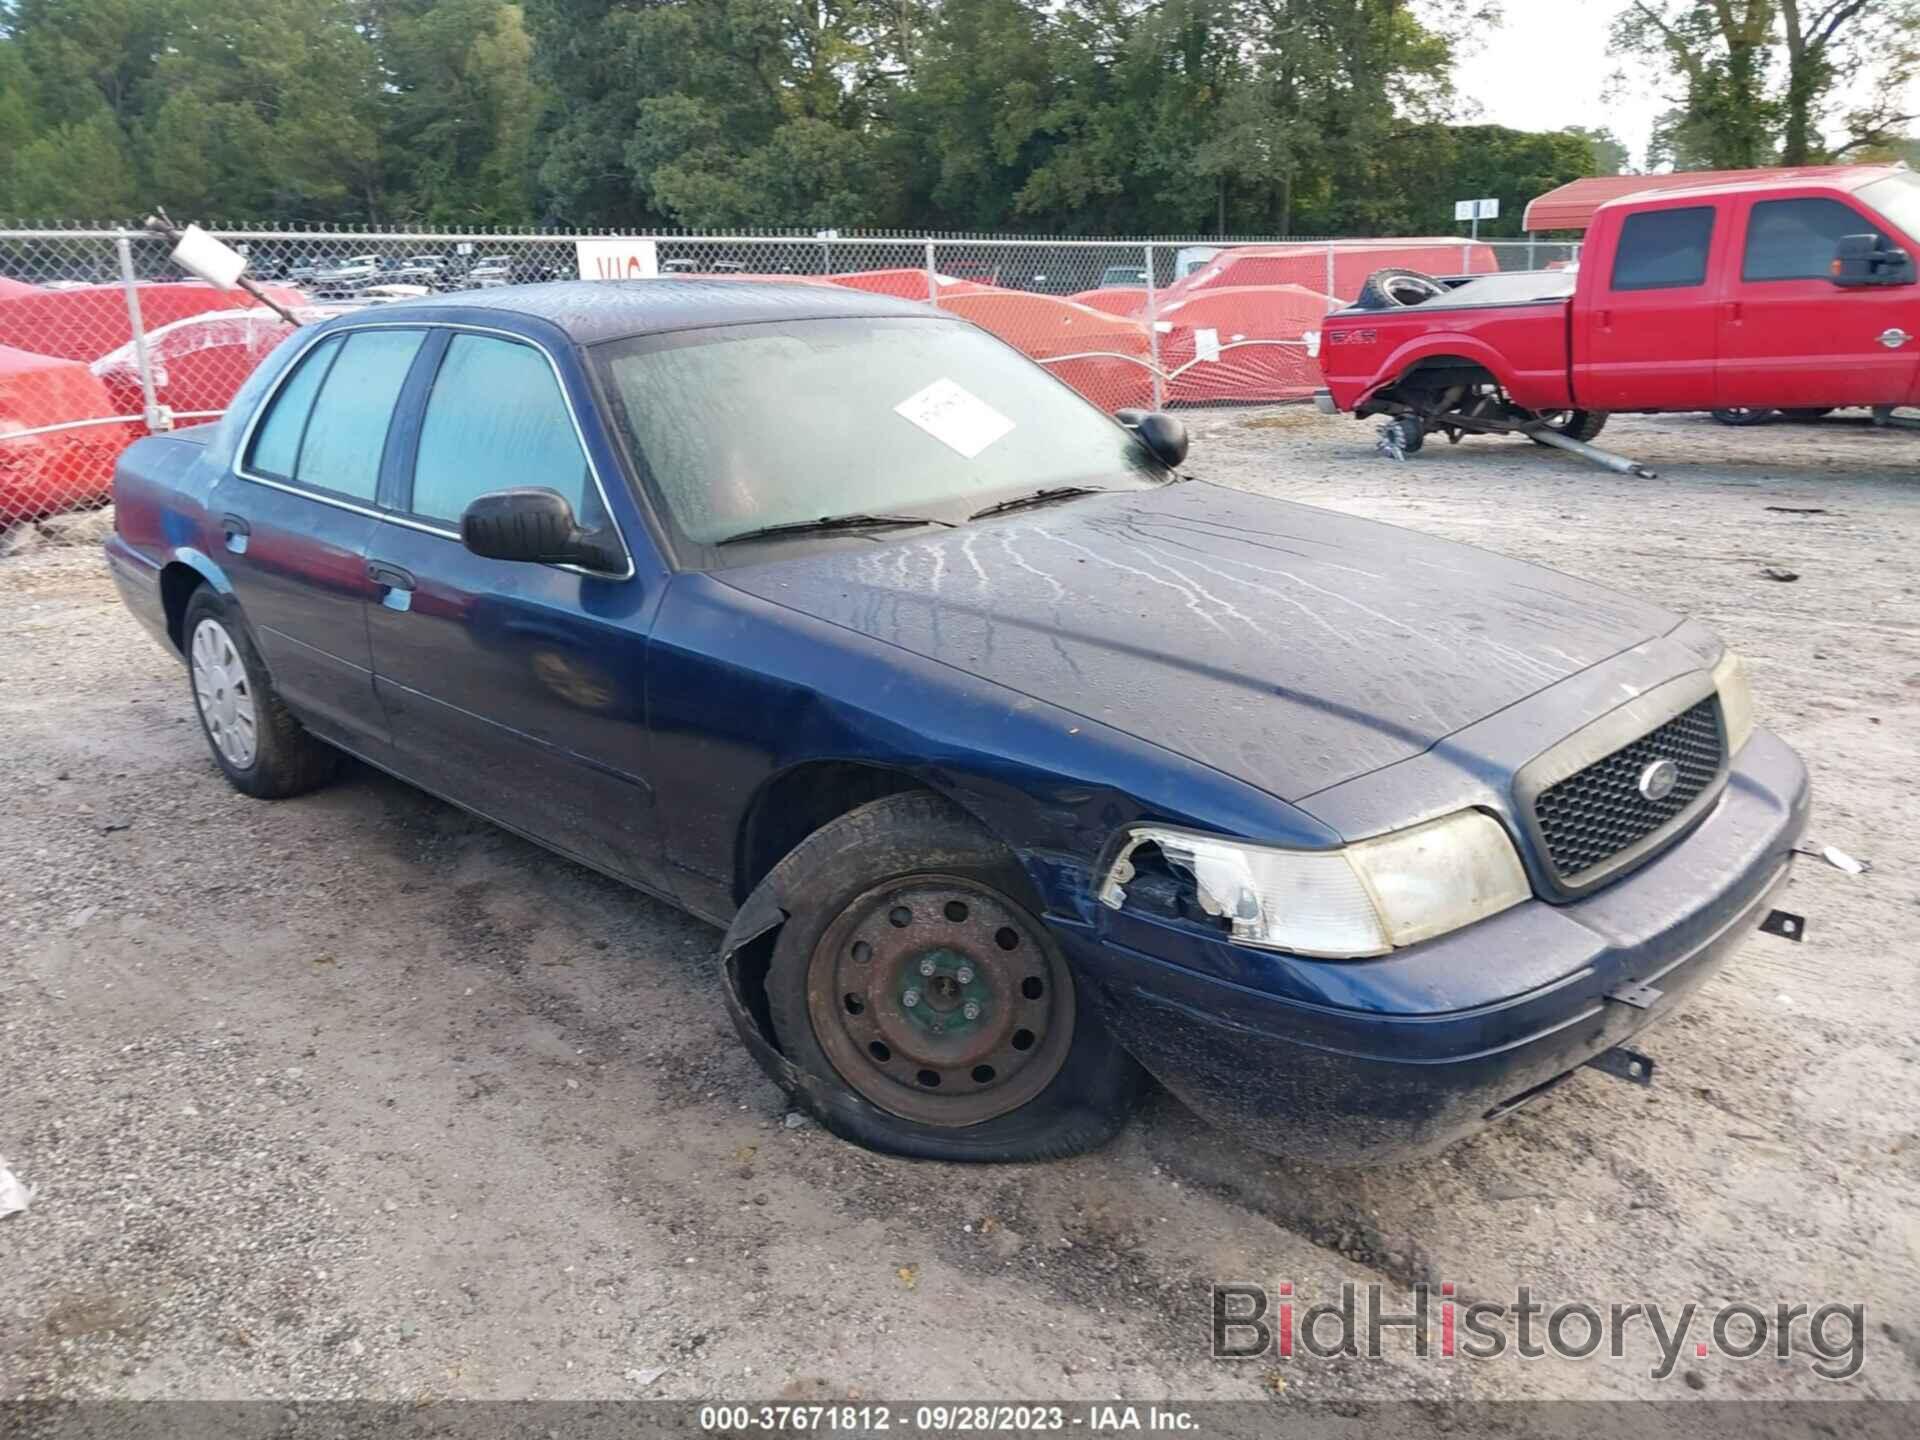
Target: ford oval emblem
x,y
1658,779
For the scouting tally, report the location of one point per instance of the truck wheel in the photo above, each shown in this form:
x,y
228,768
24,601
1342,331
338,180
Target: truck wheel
x,y
1393,289
1745,415
258,745
1574,424
928,1010
1401,436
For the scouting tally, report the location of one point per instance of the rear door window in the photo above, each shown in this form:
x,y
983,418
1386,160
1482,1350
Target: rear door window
x,y
1664,249
1796,239
327,426
495,420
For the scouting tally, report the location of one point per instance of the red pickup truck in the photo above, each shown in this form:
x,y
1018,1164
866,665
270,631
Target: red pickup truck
x,y
1788,293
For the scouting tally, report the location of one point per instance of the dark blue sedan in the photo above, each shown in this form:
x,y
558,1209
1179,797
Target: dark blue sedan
x,y
1018,766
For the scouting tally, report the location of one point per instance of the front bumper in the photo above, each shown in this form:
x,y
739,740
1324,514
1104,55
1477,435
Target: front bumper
x,y
1354,1062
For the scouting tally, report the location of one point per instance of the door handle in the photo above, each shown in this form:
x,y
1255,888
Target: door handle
x,y
237,530
1735,313
397,583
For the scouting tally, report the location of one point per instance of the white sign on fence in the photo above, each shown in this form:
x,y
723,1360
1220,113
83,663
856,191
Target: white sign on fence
x,y
618,259
1476,209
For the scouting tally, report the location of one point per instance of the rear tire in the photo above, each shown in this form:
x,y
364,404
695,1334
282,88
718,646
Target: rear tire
x,y
1395,289
258,745
929,1011
1401,436
1575,424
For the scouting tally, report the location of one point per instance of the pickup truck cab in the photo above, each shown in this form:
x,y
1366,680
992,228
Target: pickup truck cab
x,y
1789,293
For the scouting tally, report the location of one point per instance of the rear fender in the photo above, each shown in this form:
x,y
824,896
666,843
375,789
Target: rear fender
x,y
205,566
1444,345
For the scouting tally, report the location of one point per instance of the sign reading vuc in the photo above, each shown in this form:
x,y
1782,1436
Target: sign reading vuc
x,y
618,259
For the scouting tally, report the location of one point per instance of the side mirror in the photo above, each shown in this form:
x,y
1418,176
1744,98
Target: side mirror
x,y
535,525
1870,260
1165,436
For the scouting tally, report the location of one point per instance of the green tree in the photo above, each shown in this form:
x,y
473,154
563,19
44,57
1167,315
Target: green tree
x,y
1610,157
266,108
75,170
1760,79
1719,51
695,112
460,111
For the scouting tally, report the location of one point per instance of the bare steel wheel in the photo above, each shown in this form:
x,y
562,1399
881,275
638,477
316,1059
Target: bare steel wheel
x,y
224,694
902,986
940,1001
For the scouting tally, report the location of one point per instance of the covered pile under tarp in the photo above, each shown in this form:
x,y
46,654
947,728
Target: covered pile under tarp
x,y
197,362
67,468
1107,358
1241,344
907,284
89,321
1114,299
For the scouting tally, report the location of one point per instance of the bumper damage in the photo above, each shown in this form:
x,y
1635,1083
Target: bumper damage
x,y
1305,1069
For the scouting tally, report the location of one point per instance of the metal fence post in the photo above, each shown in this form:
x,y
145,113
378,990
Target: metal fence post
x,y
933,278
1530,261
1153,331
1330,290
158,420
1466,258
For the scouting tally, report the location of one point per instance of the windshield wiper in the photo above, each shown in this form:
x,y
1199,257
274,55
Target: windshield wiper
x,y
832,522
1038,497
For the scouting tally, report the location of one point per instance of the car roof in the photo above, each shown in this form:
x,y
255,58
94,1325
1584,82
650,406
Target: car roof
x,y
592,311
1838,177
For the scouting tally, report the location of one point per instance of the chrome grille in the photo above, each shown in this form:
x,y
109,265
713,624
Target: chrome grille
x,y
1595,813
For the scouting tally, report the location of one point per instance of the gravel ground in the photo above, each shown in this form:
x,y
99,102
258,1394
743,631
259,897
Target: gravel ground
x,y
358,1096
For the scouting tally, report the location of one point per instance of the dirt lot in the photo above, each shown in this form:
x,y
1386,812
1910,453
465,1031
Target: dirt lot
x,y
355,1095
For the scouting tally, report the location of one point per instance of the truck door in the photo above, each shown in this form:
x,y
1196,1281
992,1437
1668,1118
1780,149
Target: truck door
x,y
1792,339
1651,328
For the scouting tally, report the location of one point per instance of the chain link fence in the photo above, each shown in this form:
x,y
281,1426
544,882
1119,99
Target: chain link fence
x,y
103,340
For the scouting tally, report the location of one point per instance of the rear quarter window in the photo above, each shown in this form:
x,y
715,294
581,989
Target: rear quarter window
x,y
1664,249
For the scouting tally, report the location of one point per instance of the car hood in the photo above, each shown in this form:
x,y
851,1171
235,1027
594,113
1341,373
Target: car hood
x,y
1288,646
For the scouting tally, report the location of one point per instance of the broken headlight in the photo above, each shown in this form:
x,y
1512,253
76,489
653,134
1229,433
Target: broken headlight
x,y
1736,700
1363,899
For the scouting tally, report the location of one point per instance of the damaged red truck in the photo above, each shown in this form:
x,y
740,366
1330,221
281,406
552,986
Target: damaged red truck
x,y
1789,293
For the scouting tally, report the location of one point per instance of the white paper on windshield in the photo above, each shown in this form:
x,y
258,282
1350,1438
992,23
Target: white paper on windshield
x,y
1206,344
955,417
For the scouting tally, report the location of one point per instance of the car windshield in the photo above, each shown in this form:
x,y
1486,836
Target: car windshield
x,y
1898,198
750,426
